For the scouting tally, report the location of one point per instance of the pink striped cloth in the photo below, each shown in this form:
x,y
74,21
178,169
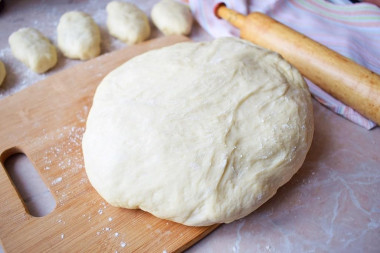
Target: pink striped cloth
x,y
353,30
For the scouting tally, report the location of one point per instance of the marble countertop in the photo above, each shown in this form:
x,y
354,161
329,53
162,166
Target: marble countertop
x,y
331,205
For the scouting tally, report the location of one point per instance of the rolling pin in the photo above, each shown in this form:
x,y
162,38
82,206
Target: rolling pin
x,y
339,76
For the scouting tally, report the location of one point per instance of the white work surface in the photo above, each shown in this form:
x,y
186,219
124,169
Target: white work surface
x,y
331,205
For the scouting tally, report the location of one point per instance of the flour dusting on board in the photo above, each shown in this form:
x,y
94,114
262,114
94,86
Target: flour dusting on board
x,y
56,181
64,159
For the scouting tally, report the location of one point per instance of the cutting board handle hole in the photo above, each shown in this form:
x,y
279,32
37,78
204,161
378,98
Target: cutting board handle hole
x,y
29,185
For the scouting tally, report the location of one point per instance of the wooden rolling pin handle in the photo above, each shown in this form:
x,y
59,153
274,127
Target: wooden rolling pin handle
x,y
233,17
344,79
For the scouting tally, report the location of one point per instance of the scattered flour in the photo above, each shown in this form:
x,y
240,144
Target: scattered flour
x,y
56,181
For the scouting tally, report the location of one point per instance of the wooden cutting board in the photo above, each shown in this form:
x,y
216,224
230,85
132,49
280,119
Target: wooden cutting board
x,y
46,122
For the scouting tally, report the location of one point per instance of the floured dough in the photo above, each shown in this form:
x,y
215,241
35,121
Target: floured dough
x,y
196,135
172,17
3,72
78,36
127,22
33,49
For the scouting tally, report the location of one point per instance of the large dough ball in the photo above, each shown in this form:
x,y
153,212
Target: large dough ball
x,y
78,36
127,22
33,49
198,133
172,18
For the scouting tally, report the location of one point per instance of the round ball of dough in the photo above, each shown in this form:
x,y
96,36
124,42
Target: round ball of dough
x,y
196,135
172,18
3,72
33,49
127,22
78,36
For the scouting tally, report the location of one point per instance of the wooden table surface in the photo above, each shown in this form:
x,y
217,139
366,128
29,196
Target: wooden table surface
x,y
330,205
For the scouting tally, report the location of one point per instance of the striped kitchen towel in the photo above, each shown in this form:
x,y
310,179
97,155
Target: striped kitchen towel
x,y
353,30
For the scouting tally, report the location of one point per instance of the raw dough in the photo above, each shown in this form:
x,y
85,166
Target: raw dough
x,y
78,36
3,72
172,17
127,22
33,49
196,135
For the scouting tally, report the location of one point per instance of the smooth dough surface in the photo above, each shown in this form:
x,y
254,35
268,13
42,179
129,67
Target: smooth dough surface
x,y
196,135
33,49
172,18
127,22
3,72
78,36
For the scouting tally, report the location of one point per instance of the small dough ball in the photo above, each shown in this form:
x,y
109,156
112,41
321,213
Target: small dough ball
x,y
33,49
172,18
127,22
3,73
78,36
197,135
